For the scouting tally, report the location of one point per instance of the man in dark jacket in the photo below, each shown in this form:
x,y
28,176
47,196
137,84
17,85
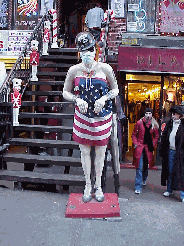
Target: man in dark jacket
x,y
172,152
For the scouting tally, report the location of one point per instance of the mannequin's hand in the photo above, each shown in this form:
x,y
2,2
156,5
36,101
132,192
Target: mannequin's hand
x,y
99,104
82,105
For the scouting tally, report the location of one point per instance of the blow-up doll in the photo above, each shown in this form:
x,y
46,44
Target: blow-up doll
x,y
91,85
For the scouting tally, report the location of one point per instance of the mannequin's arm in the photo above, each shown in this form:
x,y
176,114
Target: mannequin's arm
x,y
68,95
99,104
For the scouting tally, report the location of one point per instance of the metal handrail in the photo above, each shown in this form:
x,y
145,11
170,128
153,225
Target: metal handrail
x,y
5,88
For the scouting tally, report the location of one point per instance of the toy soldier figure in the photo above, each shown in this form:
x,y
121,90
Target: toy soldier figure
x,y
34,59
46,37
16,100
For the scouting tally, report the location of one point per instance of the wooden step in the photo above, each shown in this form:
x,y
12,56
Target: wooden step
x,y
59,57
47,178
46,115
51,64
63,50
42,104
47,82
43,128
43,73
44,93
42,160
46,143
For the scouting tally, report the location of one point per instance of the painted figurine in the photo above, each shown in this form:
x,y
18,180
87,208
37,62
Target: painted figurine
x,y
16,100
34,59
46,37
91,85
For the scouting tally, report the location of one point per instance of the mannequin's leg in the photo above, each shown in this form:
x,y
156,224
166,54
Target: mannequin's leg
x,y
99,163
86,165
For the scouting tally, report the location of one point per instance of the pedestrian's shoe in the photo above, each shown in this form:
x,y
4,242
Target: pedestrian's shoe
x,y
137,192
87,196
144,183
167,193
99,195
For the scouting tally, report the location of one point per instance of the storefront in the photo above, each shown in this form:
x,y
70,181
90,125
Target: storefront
x,y
150,77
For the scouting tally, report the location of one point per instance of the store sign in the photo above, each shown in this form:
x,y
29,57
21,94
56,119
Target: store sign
x,y
129,41
172,16
150,59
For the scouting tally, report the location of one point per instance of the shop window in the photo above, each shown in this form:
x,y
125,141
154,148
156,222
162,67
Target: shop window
x,y
25,14
141,16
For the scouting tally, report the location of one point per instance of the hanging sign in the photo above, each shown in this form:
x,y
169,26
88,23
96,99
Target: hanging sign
x,y
151,59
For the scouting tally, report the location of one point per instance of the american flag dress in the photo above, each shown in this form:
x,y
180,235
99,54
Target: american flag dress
x,y
90,128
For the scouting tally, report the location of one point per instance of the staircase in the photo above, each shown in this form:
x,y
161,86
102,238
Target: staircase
x,y
45,130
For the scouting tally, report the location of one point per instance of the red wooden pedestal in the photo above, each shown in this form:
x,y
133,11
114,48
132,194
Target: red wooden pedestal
x,y
76,208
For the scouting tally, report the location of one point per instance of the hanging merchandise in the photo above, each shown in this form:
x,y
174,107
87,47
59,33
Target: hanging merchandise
x,y
4,14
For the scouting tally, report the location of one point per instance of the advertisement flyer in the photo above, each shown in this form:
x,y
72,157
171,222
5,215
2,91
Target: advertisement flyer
x,y
17,40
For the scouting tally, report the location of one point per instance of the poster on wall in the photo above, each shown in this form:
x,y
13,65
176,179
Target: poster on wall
x,y
118,7
17,40
172,16
4,14
45,6
26,14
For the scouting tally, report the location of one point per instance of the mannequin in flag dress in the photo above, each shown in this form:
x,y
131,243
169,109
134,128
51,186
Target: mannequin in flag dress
x,y
91,85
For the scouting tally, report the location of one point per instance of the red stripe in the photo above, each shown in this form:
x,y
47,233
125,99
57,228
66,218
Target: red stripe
x,y
95,124
90,142
85,131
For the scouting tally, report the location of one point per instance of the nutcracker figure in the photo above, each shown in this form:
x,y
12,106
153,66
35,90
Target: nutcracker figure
x,y
46,37
34,59
16,100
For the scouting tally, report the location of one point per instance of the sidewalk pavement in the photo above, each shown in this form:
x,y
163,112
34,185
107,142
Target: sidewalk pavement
x,y
36,218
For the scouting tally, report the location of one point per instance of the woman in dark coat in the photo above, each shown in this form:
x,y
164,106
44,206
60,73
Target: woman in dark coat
x,y
172,152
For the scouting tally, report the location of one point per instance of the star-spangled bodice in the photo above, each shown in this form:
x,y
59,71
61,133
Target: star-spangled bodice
x,y
90,90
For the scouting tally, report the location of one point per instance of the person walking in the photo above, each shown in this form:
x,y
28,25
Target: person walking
x,y
172,152
144,137
94,19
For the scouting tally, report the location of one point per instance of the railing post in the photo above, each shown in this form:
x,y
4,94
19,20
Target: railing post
x,y
53,12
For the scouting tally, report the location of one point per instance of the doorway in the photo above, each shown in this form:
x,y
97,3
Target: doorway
x,y
72,20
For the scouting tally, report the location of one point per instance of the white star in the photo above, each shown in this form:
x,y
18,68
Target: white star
x,y
95,97
91,94
82,85
86,96
92,86
96,90
86,89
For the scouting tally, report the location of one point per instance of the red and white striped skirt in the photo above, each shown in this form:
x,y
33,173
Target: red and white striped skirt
x,y
92,131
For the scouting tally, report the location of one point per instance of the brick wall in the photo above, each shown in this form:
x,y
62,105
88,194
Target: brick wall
x,y
116,28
